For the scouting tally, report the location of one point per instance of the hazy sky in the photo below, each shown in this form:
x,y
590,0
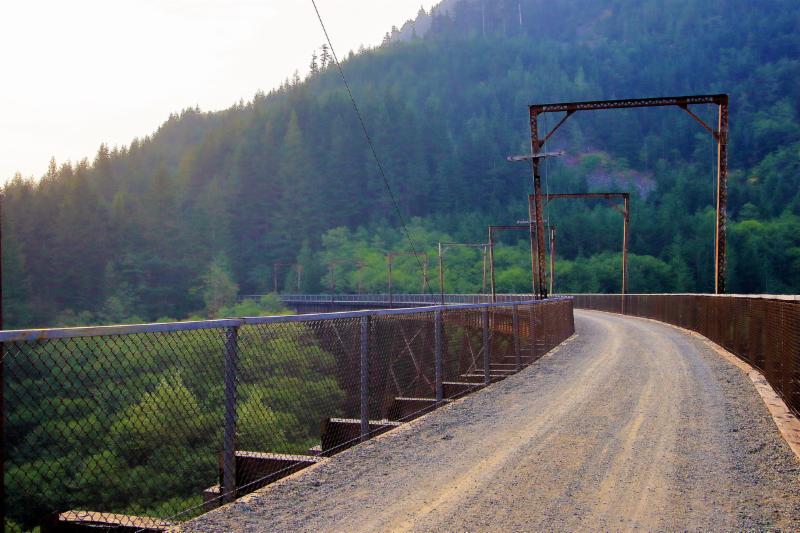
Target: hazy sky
x,y
75,73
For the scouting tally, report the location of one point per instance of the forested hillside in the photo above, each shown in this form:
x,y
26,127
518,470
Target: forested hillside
x,y
204,206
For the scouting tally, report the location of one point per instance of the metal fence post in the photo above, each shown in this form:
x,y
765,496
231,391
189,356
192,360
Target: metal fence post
x,y
532,332
437,336
228,489
364,377
515,325
487,348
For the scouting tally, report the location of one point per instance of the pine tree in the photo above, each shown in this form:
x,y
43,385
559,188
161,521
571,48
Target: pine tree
x,y
325,57
313,68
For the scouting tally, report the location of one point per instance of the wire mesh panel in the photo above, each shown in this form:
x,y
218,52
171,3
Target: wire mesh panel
x,y
120,424
403,352
463,351
144,426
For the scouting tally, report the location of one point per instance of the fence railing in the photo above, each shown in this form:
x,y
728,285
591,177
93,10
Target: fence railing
x,y
397,299
141,426
762,330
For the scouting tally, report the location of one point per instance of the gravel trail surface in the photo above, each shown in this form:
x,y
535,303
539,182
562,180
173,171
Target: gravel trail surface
x,y
630,425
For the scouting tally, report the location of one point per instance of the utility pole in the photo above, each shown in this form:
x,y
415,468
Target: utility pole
x,y
483,281
552,259
624,211
535,213
443,247
521,225
720,134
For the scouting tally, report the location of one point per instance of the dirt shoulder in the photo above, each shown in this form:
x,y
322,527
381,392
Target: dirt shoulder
x,y
632,424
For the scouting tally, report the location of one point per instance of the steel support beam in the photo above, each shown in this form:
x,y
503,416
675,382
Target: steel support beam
x,y
720,249
552,258
535,211
683,102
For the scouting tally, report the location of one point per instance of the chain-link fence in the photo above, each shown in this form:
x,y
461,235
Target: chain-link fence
x,y
764,330
142,426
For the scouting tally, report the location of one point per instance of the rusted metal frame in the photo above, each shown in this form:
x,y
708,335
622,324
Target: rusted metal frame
x,y
683,102
342,345
336,262
700,121
535,212
417,366
390,258
720,248
443,246
560,123
552,258
593,105
625,212
492,230
473,367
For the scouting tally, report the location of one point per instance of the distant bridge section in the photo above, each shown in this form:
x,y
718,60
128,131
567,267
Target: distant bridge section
x,y
322,303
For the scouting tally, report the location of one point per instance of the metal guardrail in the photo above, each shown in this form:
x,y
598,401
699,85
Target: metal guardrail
x,y
138,425
762,330
397,299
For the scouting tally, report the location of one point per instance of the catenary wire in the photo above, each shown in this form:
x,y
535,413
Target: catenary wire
x,y
369,141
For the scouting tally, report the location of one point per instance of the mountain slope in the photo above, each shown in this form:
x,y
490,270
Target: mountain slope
x,y
134,231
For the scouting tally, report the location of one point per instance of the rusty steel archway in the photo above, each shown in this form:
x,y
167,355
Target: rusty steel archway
x,y
720,134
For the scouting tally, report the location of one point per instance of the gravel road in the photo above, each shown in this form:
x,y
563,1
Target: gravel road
x,y
629,425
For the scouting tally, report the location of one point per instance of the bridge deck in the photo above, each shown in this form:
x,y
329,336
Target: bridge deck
x,y
631,424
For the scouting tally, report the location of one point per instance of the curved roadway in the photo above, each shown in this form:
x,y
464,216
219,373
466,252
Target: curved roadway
x,y
631,424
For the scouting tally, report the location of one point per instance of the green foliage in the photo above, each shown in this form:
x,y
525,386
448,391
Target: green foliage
x,y
134,424
217,287
269,304
264,181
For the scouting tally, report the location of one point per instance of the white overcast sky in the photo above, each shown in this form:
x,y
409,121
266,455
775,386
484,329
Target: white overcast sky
x,y
75,73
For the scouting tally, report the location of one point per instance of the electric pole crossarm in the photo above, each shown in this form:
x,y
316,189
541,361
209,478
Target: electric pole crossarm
x,y
529,157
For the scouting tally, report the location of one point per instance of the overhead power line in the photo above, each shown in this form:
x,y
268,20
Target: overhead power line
x,y
369,139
